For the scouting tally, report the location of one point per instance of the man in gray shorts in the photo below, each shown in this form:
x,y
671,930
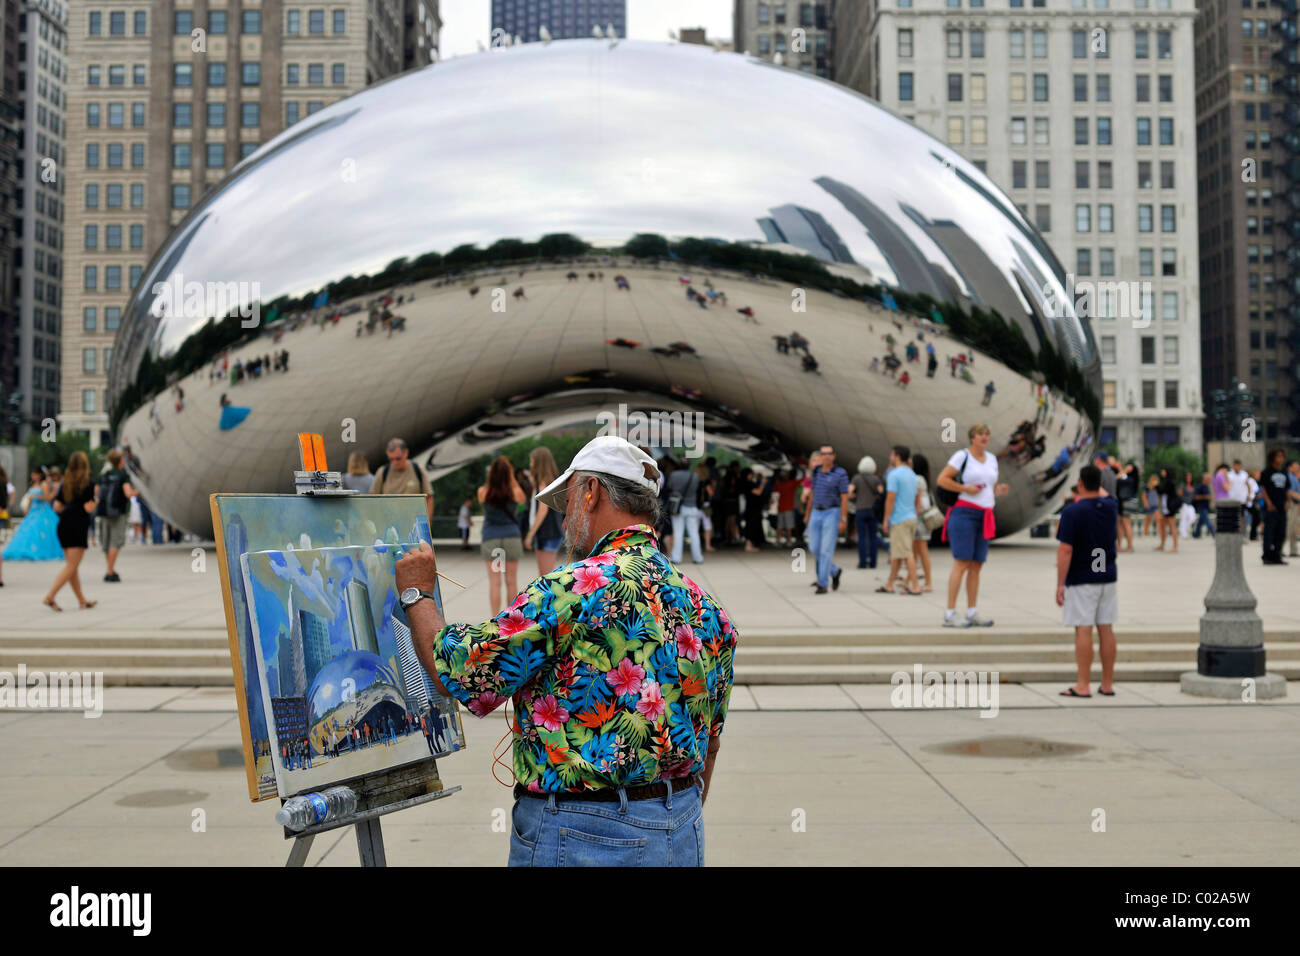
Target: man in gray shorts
x,y
1086,579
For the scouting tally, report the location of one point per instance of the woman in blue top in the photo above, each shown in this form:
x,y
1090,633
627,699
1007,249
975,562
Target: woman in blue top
x,y
502,545
36,538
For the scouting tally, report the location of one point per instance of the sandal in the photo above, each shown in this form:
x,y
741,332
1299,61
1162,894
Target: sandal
x,y
913,593
1105,693
1071,692
87,605
49,602
884,590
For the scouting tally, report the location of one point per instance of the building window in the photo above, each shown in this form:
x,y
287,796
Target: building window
x,y
247,149
1043,217
88,322
117,75
956,131
1083,262
182,115
1145,217
1040,87
1080,131
1019,179
92,196
1143,131
1169,306
1168,221
115,155
251,74
1148,394
113,195
1080,88
181,155
216,114
1102,81
1142,44
96,26
1042,174
92,155
138,75
88,401
1040,44
112,318
340,21
92,114
1041,131
1168,262
1171,349
1164,43
137,114
954,43
977,43
92,76
216,74
251,21
977,88
1082,217
249,114
338,71
1105,217
180,196
1018,131
293,23
904,43
1146,261
1106,262
137,238
141,23
1108,394
217,22
316,74
1108,350
315,21
1166,132
90,279
182,74
184,22
314,106
92,236
905,87
1079,42
1016,41
216,158
954,87
979,131
1017,87
137,195
1103,130
290,113
112,237
1081,177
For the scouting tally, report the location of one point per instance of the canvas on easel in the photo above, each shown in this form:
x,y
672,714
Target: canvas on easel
x,y
341,682
248,524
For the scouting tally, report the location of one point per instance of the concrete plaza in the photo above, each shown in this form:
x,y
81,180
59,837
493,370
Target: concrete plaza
x,y
810,773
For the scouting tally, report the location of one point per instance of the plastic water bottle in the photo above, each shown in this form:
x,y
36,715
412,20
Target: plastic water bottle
x,y
309,809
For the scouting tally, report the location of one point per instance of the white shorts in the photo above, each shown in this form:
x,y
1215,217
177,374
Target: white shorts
x,y
1090,604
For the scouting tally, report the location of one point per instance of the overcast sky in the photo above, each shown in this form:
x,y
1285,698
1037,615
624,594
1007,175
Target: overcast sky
x,y
466,21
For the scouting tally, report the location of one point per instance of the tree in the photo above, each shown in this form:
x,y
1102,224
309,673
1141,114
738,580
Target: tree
x,y
1177,459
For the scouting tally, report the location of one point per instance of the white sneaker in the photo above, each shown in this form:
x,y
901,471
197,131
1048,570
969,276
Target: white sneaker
x,y
955,621
975,620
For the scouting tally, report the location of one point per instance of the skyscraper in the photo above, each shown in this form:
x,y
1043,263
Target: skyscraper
x,y
1248,82
360,623
563,19
1084,117
164,99
292,664
29,341
415,681
315,643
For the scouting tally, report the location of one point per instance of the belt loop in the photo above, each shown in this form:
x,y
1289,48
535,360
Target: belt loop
x,y
622,799
550,802
668,797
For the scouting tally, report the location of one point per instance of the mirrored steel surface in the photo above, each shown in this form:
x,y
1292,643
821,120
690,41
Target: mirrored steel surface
x,y
496,194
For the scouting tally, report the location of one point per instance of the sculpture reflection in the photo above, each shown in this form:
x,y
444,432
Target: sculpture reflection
x,y
502,243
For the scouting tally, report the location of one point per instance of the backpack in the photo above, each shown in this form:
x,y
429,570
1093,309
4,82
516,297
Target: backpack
x,y
112,503
944,498
419,475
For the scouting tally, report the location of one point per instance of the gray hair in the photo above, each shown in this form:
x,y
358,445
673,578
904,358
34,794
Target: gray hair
x,y
626,496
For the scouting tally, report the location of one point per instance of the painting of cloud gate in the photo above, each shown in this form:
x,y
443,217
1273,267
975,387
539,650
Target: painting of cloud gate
x,y
342,689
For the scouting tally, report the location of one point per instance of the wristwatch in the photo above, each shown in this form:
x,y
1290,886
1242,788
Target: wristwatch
x,y
413,596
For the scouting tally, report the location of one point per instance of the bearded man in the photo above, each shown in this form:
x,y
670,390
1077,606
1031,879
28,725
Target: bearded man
x,y
619,667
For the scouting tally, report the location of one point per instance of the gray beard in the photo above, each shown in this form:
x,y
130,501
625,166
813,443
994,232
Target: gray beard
x,y
575,538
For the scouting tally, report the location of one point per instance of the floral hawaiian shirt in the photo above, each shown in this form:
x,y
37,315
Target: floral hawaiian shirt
x,y
620,668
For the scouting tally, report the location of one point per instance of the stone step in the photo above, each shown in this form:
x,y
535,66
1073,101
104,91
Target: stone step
x,y
181,676
1007,672
211,639
896,636
905,655
101,658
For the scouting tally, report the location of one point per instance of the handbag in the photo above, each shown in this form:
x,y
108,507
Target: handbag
x,y
932,518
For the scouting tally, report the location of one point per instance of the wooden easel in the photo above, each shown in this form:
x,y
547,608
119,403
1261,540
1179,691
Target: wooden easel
x,y
380,793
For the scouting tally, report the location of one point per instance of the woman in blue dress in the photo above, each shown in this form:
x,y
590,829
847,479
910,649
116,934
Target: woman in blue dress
x,y
36,538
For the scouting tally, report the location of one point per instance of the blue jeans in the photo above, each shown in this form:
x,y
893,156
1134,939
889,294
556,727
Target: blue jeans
x,y
555,831
823,535
866,538
1203,520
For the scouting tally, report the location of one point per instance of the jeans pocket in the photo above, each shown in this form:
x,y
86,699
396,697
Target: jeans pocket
x,y
523,826
577,848
699,838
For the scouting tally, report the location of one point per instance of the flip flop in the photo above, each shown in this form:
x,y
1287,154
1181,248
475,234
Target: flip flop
x,y
88,605
912,593
52,605
1071,692
1105,693
885,590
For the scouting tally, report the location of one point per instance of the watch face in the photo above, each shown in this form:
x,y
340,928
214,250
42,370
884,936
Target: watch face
x,y
410,596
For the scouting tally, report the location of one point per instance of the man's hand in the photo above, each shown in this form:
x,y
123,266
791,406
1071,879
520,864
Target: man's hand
x,y
417,569
1060,595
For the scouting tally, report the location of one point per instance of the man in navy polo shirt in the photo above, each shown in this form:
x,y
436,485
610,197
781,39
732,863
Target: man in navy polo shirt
x,y
826,518
1086,579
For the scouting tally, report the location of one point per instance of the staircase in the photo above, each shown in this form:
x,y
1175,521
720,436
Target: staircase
x,y
201,657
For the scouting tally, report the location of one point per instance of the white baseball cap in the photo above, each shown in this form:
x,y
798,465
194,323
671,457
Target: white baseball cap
x,y
605,455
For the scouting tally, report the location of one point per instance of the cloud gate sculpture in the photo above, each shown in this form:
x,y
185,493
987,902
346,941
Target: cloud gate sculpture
x,y
531,237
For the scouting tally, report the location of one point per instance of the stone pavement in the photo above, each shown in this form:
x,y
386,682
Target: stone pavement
x,y
164,623
827,775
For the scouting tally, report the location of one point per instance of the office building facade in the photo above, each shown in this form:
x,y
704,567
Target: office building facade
x,y
1248,117
164,100
795,34
563,19
1084,114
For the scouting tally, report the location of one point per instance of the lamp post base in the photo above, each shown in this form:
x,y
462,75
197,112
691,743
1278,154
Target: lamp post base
x,y
1267,686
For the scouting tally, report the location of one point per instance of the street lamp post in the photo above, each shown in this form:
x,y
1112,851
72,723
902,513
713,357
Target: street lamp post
x,y
1231,654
